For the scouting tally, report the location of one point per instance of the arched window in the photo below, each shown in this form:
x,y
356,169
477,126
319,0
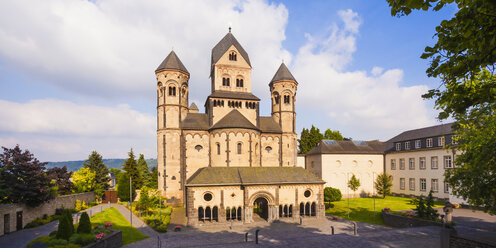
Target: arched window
x,y
239,148
239,213
223,81
218,149
215,213
228,213
233,213
222,103
280,211
302,209
215,103
314,212
174,91
268,148
208,214
228,83
290,210
285,210
232,56
170,91
201,214
237,82
286,99
276,97
307,209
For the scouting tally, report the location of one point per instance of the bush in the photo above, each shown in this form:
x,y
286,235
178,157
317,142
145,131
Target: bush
x,y
66,228
84,224
161,228
52,234
82,238
328,205
80,205
66,246
332,194
55,241
43,240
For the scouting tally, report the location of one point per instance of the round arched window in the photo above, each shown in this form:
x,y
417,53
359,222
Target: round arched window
x,y
207,197
307,193
198,147
268,148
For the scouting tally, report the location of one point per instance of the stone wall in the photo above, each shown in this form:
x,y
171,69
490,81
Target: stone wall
x,y
459,242
403,221
29,214
113,240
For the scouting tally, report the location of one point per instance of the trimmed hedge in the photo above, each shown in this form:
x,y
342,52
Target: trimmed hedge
x,y
84,224
66,228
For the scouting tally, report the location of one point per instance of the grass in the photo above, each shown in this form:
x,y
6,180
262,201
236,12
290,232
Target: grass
x,y
362,209
118,221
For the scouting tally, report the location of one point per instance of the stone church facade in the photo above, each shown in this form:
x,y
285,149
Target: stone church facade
x,y
230,163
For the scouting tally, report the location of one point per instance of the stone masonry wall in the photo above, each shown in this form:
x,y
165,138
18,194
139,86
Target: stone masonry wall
x,y
29,214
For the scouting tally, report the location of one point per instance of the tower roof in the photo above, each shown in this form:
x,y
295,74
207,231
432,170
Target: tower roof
x,y
224,45
172,62
193,106
234,120
283,73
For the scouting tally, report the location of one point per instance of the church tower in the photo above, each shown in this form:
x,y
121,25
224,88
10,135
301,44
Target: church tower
x,y
172,107
283,92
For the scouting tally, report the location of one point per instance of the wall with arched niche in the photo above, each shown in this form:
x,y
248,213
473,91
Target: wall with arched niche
x,y
197,148
270,150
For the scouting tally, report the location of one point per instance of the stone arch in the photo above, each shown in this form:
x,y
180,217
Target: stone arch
x,y
264,194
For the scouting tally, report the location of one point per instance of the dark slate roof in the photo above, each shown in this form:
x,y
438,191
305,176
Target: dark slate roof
x,y
347,147
172,62
283,73
195,121
234,120
269,125
224,45
425,132
252,176
234,95
193,106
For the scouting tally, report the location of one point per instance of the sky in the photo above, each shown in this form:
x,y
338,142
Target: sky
x,y
78,76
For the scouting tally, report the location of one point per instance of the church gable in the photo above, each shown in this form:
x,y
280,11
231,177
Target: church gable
x,y
232,57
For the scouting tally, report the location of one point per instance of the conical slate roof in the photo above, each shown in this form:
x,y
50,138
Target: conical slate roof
x,y
193,106
172,62
283,73
234,120
224,45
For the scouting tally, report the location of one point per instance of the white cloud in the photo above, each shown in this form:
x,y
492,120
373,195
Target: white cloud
x,y
359,105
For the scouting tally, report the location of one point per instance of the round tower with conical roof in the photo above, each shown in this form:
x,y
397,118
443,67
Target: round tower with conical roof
x,y
283,95
172,107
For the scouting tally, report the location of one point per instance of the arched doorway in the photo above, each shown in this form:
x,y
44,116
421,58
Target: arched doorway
x,y
261,209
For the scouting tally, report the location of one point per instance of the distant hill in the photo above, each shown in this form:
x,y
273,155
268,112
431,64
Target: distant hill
x,y
110,163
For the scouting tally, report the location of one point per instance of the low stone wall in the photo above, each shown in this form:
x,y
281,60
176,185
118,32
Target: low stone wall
x,y
451,239
9,212
403,221
113,240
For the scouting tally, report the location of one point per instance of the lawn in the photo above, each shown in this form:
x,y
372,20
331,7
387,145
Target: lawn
x,y
118,221
362,209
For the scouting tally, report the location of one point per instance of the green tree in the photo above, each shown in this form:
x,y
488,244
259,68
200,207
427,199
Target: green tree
x,y
464,57
23,178
96,165
84,224
84,180
60,178
66,227
383,184
420,209
332,194
143,170
309,139
153,183
332,135
123,188
131,168
430,212
354,183
144,202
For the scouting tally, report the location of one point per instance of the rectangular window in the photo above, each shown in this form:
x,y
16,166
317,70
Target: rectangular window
x,y
411,164
447,162
429,142
402,163
393,164
422,163
402,183
434,163
434,185
440,141
423,184
407,145
398,146
417,144
446,187
411,184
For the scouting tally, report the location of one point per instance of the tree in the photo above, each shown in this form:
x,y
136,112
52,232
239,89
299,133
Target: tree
x,y
123,188
84,224
66,227
153,183
383,184
143,170
430,212
96,165
131,168
420,209
332,194
332,135
464,58
61,178
84,180
24,178
144,202
309,139
354,183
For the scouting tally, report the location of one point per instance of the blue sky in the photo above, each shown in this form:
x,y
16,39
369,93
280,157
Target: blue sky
x,y
78,76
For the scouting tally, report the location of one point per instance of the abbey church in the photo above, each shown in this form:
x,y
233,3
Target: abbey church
x,y
230,163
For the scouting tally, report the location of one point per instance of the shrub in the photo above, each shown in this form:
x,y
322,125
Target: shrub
x,y
161,228
69,245
54,241
78,207
84,224
328,205
52,234
66,228
82,238
43,240
332,194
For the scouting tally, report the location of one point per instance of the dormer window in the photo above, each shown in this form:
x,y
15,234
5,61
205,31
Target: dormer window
x,y
233,56
398,146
